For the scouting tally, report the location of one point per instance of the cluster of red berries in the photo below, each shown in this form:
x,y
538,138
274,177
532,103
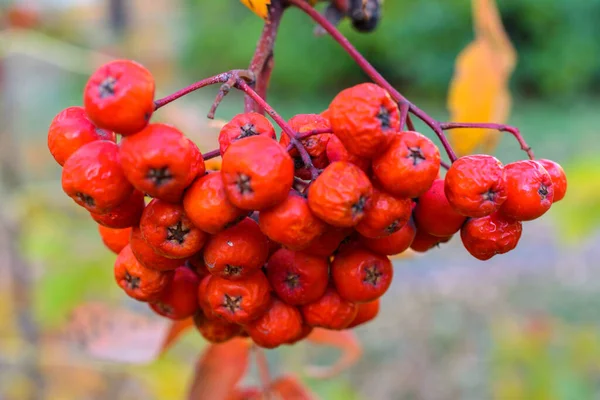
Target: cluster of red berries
x,y
259,247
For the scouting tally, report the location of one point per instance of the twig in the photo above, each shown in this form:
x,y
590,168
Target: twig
x,y
211,154
223,91
304,135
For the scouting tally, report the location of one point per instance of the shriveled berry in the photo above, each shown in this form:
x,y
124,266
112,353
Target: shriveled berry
x,y
409,165
384,214
475,186
559,178
114,239
297,278
339,195
161,162
394,244
331,311
315,145
237,252
139,282
365,118
490,235
291,223
119,96
216,330
94,179
126,214
147,256
360,275
242,126
69,130
240,301
337,152
278,325
529,191
169,231
179,299
258,173
434,214
207,206
366,313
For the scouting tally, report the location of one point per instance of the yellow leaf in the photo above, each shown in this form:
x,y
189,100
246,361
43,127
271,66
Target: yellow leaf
x,y
479,88
259,7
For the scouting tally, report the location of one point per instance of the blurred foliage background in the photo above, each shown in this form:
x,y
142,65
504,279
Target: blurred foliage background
x,y
522,326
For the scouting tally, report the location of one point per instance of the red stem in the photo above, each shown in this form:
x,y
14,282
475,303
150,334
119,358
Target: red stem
x,y
304,135
499,127
211,154
287,129
372,72
213,80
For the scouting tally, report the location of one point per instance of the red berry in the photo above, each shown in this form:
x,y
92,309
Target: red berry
x,y
237,252
475,185
366,312
559,179
147,256
297,278
114,239
384,214
490,235
365,119
409,165
71,129
161,162
179,299
94,179
394,244
280,324
216,330
360,275
119,96
529,191
126,214
315,145
328,242
423,241
331,311
337,152
243,126
434,214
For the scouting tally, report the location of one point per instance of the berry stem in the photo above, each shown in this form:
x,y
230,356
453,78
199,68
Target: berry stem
x,y
287,129
262,61
314,132
211,154
372,72
499,127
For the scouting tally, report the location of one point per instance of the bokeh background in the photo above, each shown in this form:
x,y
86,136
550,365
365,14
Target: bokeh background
x,y
521,326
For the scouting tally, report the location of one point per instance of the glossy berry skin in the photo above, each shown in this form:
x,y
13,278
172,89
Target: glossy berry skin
x,y
242,126
559,178
179,299
291,222
161,162
366,313
315,145
119,96
490,235
125,215
169,231
297,278
94,179
203,298
147,256
434,214
240,301
384,214
237,252
207,206
337,152
114,239
137,281
331,311
409,165
278,325
365,119
196,263
216,330
258,173
424,242
339,195
306,330
326,244
360,275
394,244
69,130
529,190
475,186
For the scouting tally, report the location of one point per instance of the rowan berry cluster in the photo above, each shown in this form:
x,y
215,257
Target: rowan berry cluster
x,y
287,234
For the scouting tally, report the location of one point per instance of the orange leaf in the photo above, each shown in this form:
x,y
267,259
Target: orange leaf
x,y
346,341
259,7
479,89
177,329
289,387
116,334
219,369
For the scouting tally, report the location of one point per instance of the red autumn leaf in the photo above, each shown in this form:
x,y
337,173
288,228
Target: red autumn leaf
x,y
177,329
219,370
346,341
288,387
